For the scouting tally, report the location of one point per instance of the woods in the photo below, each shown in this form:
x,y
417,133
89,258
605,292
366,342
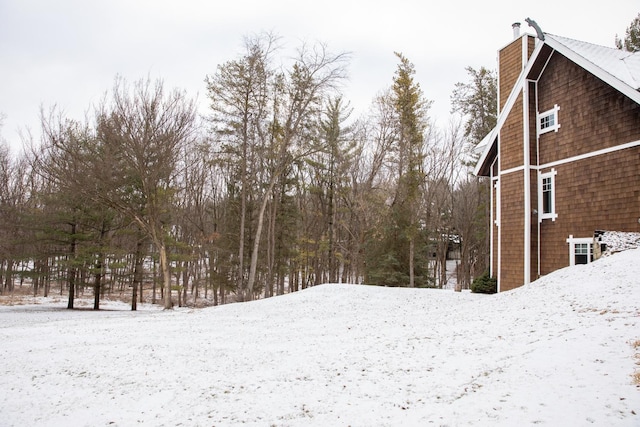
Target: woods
x,y
279,186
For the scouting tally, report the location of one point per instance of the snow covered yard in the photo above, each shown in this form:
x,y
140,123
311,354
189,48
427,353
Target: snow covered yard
x,y
557,352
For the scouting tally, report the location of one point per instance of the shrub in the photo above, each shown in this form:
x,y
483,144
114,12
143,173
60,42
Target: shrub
x,y
484,284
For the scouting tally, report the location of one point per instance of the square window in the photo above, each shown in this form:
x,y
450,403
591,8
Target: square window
x,y
548,121
580,250
582,253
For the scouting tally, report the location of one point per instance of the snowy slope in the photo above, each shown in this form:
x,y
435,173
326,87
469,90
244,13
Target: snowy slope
x,y
556,352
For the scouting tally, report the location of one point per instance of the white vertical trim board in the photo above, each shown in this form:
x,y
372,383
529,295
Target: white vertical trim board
x,y
527,183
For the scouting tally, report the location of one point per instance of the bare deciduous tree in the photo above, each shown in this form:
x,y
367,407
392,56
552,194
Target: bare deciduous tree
x,y
141,136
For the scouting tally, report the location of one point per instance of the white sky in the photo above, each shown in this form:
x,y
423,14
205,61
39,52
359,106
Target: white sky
x,y
67,52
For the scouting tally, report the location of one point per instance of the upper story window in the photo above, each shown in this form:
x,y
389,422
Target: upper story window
x,y
548,121
547,196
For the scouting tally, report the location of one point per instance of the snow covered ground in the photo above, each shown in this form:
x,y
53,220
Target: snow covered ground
x,y
559,352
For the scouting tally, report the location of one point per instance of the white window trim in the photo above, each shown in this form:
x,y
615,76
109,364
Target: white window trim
x,y
556,124
550,215
572,241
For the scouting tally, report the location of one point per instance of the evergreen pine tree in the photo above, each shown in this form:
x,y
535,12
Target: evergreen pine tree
x,y
393,257
476,100
631,41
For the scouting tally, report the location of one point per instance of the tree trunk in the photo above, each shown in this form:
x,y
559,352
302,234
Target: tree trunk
x,y
99,267
46,278
155,281
243,216
256,242
333,274
185,281
8,283
134,296
166,275
37,277
271,249
412,278
72,268
97,283
137,275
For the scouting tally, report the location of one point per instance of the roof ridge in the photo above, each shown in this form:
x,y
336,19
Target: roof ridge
x,y
611,48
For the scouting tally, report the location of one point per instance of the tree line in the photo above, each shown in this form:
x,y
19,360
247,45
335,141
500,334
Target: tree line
x,y
276,189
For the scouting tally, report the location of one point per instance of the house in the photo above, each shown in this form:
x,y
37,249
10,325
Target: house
x,y
564,157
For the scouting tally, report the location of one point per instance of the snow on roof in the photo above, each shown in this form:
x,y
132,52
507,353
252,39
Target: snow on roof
x,y
623,65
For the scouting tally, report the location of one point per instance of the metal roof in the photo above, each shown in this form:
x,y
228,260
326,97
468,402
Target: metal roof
x,y
623,65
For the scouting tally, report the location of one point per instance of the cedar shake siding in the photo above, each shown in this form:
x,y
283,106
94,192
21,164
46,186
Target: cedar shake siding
x,y
511,137
510,59
511,231
510,65
598,193
592,115
593,156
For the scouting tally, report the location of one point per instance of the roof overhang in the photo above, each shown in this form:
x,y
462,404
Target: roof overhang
x,y
488,149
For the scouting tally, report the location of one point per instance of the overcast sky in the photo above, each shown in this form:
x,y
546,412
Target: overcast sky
x,y
68,52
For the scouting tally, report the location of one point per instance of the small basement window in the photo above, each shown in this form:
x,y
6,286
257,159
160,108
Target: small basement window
x,y
548,121
580,250
582,253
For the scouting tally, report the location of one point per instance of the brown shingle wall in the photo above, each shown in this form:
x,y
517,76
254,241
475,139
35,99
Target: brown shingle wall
x,y
509,68
511,138
600,193
511,230
531,44
510,65
592,114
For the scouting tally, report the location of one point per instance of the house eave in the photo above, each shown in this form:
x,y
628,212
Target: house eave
x,y
489,145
